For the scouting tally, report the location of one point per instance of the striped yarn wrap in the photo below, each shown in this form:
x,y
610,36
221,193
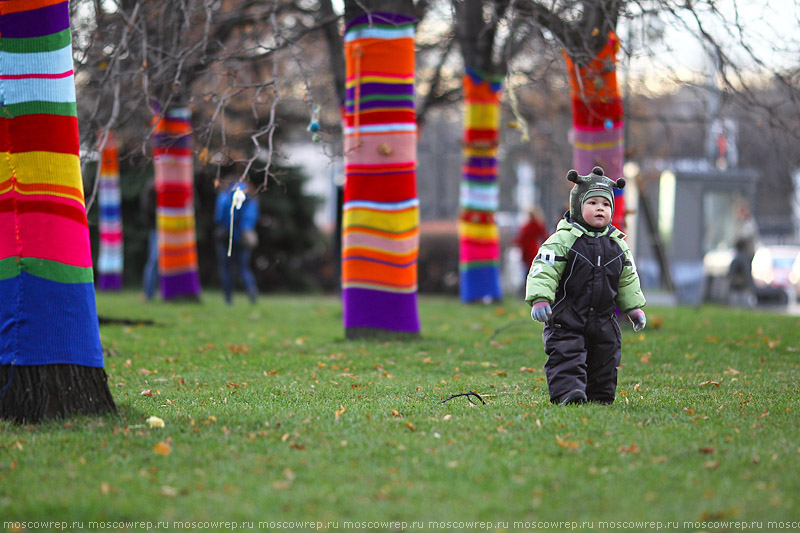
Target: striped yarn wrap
x,y
380,227
175,222
109,257
48,313
479,238
597,119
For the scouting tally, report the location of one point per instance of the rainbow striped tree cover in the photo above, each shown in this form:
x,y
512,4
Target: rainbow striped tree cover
x,y
380,226
597,119
479,238
109,257
175,223
51,360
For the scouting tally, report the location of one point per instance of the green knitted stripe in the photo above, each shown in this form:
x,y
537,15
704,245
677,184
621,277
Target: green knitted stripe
x,y
11,267
478,264
8,268
68,109
390,97
47,43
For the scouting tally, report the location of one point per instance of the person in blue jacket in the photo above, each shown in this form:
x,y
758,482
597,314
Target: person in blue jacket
x,y
235,241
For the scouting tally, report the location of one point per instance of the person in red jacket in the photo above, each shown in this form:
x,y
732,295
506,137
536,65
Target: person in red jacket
x,y
530,237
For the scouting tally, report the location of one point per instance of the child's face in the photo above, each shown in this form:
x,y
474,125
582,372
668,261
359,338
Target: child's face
x,y
596,211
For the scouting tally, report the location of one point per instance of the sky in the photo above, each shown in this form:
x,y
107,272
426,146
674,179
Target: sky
x,y
769,28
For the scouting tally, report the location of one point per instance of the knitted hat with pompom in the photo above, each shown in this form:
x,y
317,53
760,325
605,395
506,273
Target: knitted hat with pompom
x,y
595,184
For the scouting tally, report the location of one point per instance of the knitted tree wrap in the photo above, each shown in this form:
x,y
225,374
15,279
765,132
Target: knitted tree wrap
x,y
175,222
109,256
380,227
47,306
51,360
597,117
479,238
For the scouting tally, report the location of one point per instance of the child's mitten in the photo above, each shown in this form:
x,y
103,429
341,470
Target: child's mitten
x,y
541,312
638,319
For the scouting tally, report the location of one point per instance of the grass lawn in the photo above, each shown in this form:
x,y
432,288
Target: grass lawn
x,y
271,415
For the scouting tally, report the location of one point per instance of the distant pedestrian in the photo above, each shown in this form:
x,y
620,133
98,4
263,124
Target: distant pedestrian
x,y
530,237
741,289
236,214
147,208
582,273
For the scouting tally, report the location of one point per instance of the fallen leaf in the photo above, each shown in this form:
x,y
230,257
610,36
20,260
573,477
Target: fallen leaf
x,y
238,348
410,426
731,371
711,465
155,422
163,448
633,448
396,413
570,445
709,382
707,449
169,492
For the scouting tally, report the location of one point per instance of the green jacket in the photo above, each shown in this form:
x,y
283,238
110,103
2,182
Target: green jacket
x,y
581,272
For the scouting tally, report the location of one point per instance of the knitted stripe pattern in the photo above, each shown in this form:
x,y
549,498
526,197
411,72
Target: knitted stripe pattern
x,y
380,232
48,313
175,221
109,256
597,118
479,238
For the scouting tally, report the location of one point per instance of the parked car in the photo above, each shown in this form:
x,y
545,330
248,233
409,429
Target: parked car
x,y
775,269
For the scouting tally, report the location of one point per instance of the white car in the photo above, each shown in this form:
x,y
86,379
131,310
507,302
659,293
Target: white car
x,y
775,270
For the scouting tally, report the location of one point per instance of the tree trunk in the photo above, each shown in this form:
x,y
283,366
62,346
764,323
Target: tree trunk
x,y
479,238
51,360
36,393
175,222
381,209
109,256
597,119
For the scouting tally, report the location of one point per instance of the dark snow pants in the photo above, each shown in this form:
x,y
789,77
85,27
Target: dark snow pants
x,y
583,359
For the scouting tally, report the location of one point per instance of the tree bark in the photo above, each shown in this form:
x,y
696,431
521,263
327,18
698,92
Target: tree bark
x,y
37,393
